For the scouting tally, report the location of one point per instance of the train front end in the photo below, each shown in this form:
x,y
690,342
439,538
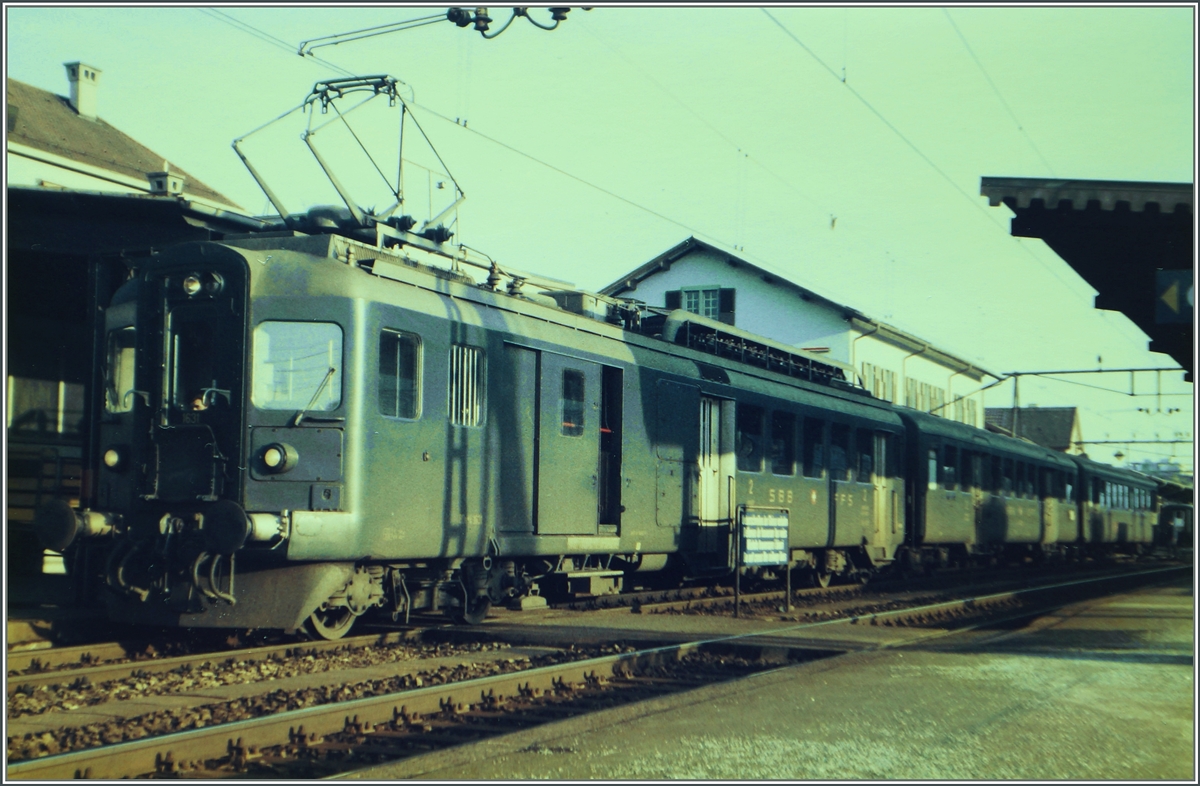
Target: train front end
x,y
165,528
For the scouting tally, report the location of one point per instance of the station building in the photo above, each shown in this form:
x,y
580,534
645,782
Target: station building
x,y
892,364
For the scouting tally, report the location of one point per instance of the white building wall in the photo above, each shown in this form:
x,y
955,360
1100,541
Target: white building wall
x,y
910,372
767,309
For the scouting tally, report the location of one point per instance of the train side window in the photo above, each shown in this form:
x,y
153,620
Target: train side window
x,y
399,374
864,445
572,402
997,480
949,468
933,469
839,452
1019,484
749,438
1007,486
119,384
466,386
976,462
814,447
296,366
1069,490
783,443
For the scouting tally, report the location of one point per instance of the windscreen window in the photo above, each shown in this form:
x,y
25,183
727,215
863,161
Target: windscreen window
x,y
297,366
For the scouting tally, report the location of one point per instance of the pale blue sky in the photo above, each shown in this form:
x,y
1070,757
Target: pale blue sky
x,y
722,122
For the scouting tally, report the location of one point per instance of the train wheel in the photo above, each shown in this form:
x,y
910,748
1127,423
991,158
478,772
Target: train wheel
x,y
475,611
329,623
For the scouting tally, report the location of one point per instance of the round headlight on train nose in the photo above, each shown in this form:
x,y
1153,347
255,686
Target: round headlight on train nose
x,y
114,458
192,285
279,457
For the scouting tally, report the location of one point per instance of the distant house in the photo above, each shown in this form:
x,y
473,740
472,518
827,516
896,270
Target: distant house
x,y
894,365
1056,428
60,142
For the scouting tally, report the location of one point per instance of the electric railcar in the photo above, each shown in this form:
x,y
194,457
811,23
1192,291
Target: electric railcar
x,y
299,430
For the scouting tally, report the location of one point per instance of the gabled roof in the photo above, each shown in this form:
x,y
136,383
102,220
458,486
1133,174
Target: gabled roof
x,y
44,121
1051,427
859,320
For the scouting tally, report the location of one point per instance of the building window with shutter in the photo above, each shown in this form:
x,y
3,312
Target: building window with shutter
x,y
711,302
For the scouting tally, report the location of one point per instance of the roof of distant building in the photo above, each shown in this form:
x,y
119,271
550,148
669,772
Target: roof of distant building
x,y
42,120
1050,427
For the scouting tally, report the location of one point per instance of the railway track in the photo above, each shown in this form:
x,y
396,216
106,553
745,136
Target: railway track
x,y
104,661
347,734
111,660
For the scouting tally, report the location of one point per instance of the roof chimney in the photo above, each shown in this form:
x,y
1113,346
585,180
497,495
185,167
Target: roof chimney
x,y
83,79
166,182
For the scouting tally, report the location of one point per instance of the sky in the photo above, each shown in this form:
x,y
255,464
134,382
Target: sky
x,y
839,146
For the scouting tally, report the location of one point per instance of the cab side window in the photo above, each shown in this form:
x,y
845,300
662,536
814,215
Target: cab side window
x,y
399,374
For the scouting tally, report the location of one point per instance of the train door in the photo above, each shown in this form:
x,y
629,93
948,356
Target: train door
x,y
886,513
841,494
568,446
514,418
977,488
709,459
1049,506
714,461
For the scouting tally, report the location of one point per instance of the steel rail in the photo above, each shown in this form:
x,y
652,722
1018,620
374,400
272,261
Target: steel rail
x,y
126,668
198,745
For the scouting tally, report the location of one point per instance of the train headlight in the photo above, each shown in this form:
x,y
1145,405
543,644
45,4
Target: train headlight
x,y
279,457
192,285
114,458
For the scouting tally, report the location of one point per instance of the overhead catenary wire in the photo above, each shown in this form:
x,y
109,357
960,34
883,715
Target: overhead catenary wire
x,y
996,90
370,32
733,143
972,200
279,43
267,38
565,173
